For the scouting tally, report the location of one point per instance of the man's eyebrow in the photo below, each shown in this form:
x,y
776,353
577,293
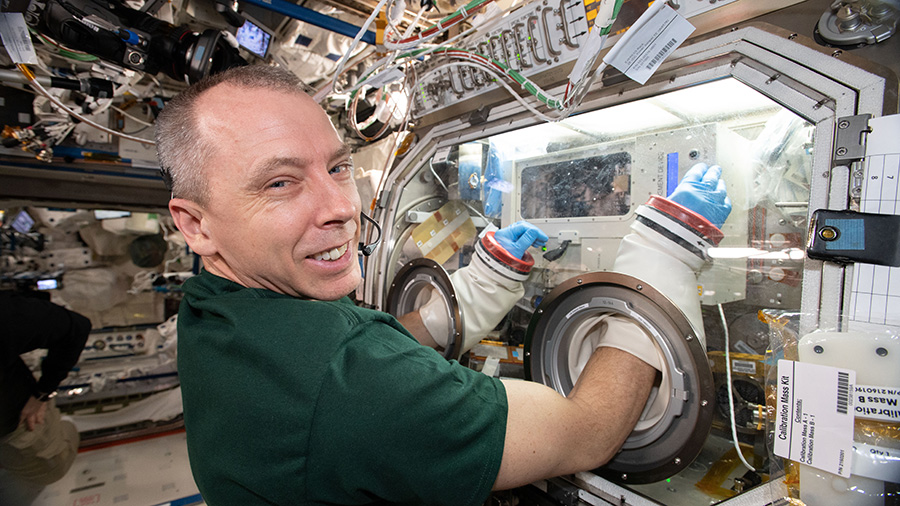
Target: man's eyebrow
x,y
264,169
343,152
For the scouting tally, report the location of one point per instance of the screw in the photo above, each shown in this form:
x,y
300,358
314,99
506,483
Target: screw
x,y
792,36
640,287
677,461
704,402
841,151
624,476
882,352
688,337
818,349
844,124
579,281
837,53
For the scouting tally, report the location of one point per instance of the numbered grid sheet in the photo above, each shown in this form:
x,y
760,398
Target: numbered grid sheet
x,y
875,293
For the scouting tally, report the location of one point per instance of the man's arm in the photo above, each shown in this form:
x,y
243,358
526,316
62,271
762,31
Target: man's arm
x,y
32,324
550,435
413,323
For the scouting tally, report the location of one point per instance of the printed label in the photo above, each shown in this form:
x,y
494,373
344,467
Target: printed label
x,y
877,403
644,51
743,366
16,39
577,309
876,462
441,154
814,422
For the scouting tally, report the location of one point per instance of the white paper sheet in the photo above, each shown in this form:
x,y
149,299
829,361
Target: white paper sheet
x,y
875,292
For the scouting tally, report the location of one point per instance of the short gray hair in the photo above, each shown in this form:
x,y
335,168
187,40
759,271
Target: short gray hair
x,y
182,149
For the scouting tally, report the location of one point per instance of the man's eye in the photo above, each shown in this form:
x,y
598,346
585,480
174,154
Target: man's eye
x,y
344,167
278,184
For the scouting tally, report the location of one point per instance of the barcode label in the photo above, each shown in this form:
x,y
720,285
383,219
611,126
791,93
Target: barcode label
x,y
843,392
807,427
662,53
648,42
16,39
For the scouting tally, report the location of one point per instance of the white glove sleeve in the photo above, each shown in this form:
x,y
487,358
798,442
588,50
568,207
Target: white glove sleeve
x,y
667,247
486,290
614,331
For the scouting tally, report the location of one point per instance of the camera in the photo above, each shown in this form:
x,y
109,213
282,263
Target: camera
x,y
133,39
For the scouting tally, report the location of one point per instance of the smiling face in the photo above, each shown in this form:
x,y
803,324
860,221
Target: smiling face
x,y
284,211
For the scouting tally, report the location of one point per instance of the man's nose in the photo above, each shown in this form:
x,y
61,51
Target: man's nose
x,y
337,202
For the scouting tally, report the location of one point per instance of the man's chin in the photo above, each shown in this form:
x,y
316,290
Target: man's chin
x,y
337,289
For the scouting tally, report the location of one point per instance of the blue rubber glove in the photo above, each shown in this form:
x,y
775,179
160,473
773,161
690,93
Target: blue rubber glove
x,y
702,191
519,236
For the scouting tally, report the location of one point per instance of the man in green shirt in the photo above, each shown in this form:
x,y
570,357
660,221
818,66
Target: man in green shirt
x,y
293,395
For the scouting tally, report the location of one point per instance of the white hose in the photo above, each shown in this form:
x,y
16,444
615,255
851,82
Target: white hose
x,y
737,445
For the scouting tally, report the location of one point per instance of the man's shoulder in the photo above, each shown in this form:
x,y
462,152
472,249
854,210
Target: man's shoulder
x,y
217,305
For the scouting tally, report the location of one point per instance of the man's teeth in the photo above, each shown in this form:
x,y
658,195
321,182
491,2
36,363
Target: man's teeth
x,y
332,254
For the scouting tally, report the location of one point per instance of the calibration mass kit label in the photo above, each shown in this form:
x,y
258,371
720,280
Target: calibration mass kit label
x,y
814,418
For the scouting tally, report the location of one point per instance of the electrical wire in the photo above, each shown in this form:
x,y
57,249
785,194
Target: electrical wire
x,y
408,42
62,50
351,111
576,86
502,83
384,63
492,68
737,445
133,117
37,86
458,16
340,67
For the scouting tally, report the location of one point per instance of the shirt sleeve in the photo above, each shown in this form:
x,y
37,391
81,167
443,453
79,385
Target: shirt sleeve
x,y
31,324
397,422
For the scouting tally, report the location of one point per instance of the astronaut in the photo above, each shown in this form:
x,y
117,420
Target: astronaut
x,y
294,395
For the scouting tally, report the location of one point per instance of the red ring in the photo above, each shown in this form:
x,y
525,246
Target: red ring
x,y
493,247
688,217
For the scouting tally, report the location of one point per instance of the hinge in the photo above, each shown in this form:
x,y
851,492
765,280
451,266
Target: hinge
x,y
850,139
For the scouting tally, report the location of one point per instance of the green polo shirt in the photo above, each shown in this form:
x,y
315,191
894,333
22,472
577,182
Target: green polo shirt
x,y
290,401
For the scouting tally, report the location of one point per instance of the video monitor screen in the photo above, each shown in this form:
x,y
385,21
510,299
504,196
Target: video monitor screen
x,y
22,222
47,284
106,214
254,38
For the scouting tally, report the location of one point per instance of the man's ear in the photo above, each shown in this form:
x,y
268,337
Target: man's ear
x,y
190,219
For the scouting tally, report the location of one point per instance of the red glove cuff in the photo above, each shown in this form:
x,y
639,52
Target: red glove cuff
x,y
691,219
502,261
